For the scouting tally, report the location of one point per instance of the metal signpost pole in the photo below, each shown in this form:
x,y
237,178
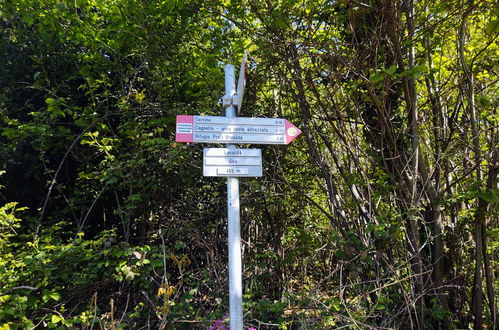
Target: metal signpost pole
x,y
233,163
234,228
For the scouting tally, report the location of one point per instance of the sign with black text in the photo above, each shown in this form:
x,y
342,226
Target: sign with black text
x,y
236,130
232,162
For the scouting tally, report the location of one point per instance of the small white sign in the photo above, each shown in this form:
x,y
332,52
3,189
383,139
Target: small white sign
x,y
184,128
232,162
222,152
232,171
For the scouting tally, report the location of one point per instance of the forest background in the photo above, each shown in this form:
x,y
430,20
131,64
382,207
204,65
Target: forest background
x,y
382,214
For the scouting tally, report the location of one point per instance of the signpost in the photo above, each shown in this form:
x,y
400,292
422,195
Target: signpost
x,y
232,163
235,130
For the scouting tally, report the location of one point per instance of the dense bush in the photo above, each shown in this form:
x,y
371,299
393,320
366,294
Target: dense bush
x,y
383,214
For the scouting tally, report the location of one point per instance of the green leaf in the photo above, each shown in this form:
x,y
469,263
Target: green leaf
x,y
56,319
376,77
416,71
50,295
491,196
391,70
492,27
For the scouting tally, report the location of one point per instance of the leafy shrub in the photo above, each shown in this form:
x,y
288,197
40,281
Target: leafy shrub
x,y
54,282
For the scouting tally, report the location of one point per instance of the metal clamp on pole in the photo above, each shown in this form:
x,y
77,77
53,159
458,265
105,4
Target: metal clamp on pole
x,y
233,100
227,101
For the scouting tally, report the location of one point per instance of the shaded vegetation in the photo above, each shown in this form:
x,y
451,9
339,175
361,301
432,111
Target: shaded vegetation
x,y
383,214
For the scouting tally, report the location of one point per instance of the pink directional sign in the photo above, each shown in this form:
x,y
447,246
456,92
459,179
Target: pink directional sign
x,y
213,129
184,128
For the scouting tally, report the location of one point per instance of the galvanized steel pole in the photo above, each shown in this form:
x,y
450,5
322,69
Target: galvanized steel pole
x,y
234,227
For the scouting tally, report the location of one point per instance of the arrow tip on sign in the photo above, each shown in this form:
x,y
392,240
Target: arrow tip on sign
x,y
291,132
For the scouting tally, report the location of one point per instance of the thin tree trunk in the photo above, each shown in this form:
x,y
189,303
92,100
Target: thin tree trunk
x,y
433,192
411,176
482,211
294,68
481,260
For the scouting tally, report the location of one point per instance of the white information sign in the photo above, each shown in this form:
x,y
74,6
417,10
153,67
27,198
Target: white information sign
x,y
235,130
232,162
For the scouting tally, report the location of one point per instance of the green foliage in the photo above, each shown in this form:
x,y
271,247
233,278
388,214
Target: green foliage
x,y
118,227
47,281
9,222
